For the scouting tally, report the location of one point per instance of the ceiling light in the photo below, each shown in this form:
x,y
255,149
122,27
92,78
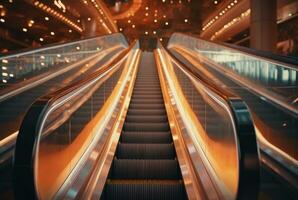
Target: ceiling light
x,y
24,30
52,33
41,39
47,18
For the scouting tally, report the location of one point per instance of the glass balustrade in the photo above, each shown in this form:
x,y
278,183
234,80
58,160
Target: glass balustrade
x,y
208,117
278,78
21,66
269,88
73,121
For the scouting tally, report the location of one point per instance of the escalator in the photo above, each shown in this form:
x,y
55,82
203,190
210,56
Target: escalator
x,y
133,131
276,123
14,106
145,164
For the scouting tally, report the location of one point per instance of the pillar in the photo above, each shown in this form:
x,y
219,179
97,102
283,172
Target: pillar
x,y
263,28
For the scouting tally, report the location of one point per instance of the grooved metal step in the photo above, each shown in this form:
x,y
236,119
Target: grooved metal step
x,y
148,118
133,126
145,151
165,190
146,106
146,112
145,169
146,137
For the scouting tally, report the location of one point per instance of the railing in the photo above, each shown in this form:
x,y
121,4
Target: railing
x,y
63,133
269,86
217,130
28,69
20,66
276,81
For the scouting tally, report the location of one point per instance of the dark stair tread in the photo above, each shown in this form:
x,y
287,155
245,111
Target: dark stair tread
x,y
145,137
146,106
149,118
145,169
145,151
144,190
146,112
133,126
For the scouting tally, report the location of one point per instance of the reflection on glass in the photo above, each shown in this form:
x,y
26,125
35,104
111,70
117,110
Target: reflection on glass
x,y
18,67
276,125
277,78
67,132
216,132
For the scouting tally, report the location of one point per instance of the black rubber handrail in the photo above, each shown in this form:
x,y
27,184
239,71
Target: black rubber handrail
x,y
268,56
249,167
26,144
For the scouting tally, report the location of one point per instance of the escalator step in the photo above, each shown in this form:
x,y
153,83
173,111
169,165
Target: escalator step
x,y
163,190
146,101
145,92
145,151
146,106
153,89
147,96
145,169
146,87
150,118
146,112
146,137
132,126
